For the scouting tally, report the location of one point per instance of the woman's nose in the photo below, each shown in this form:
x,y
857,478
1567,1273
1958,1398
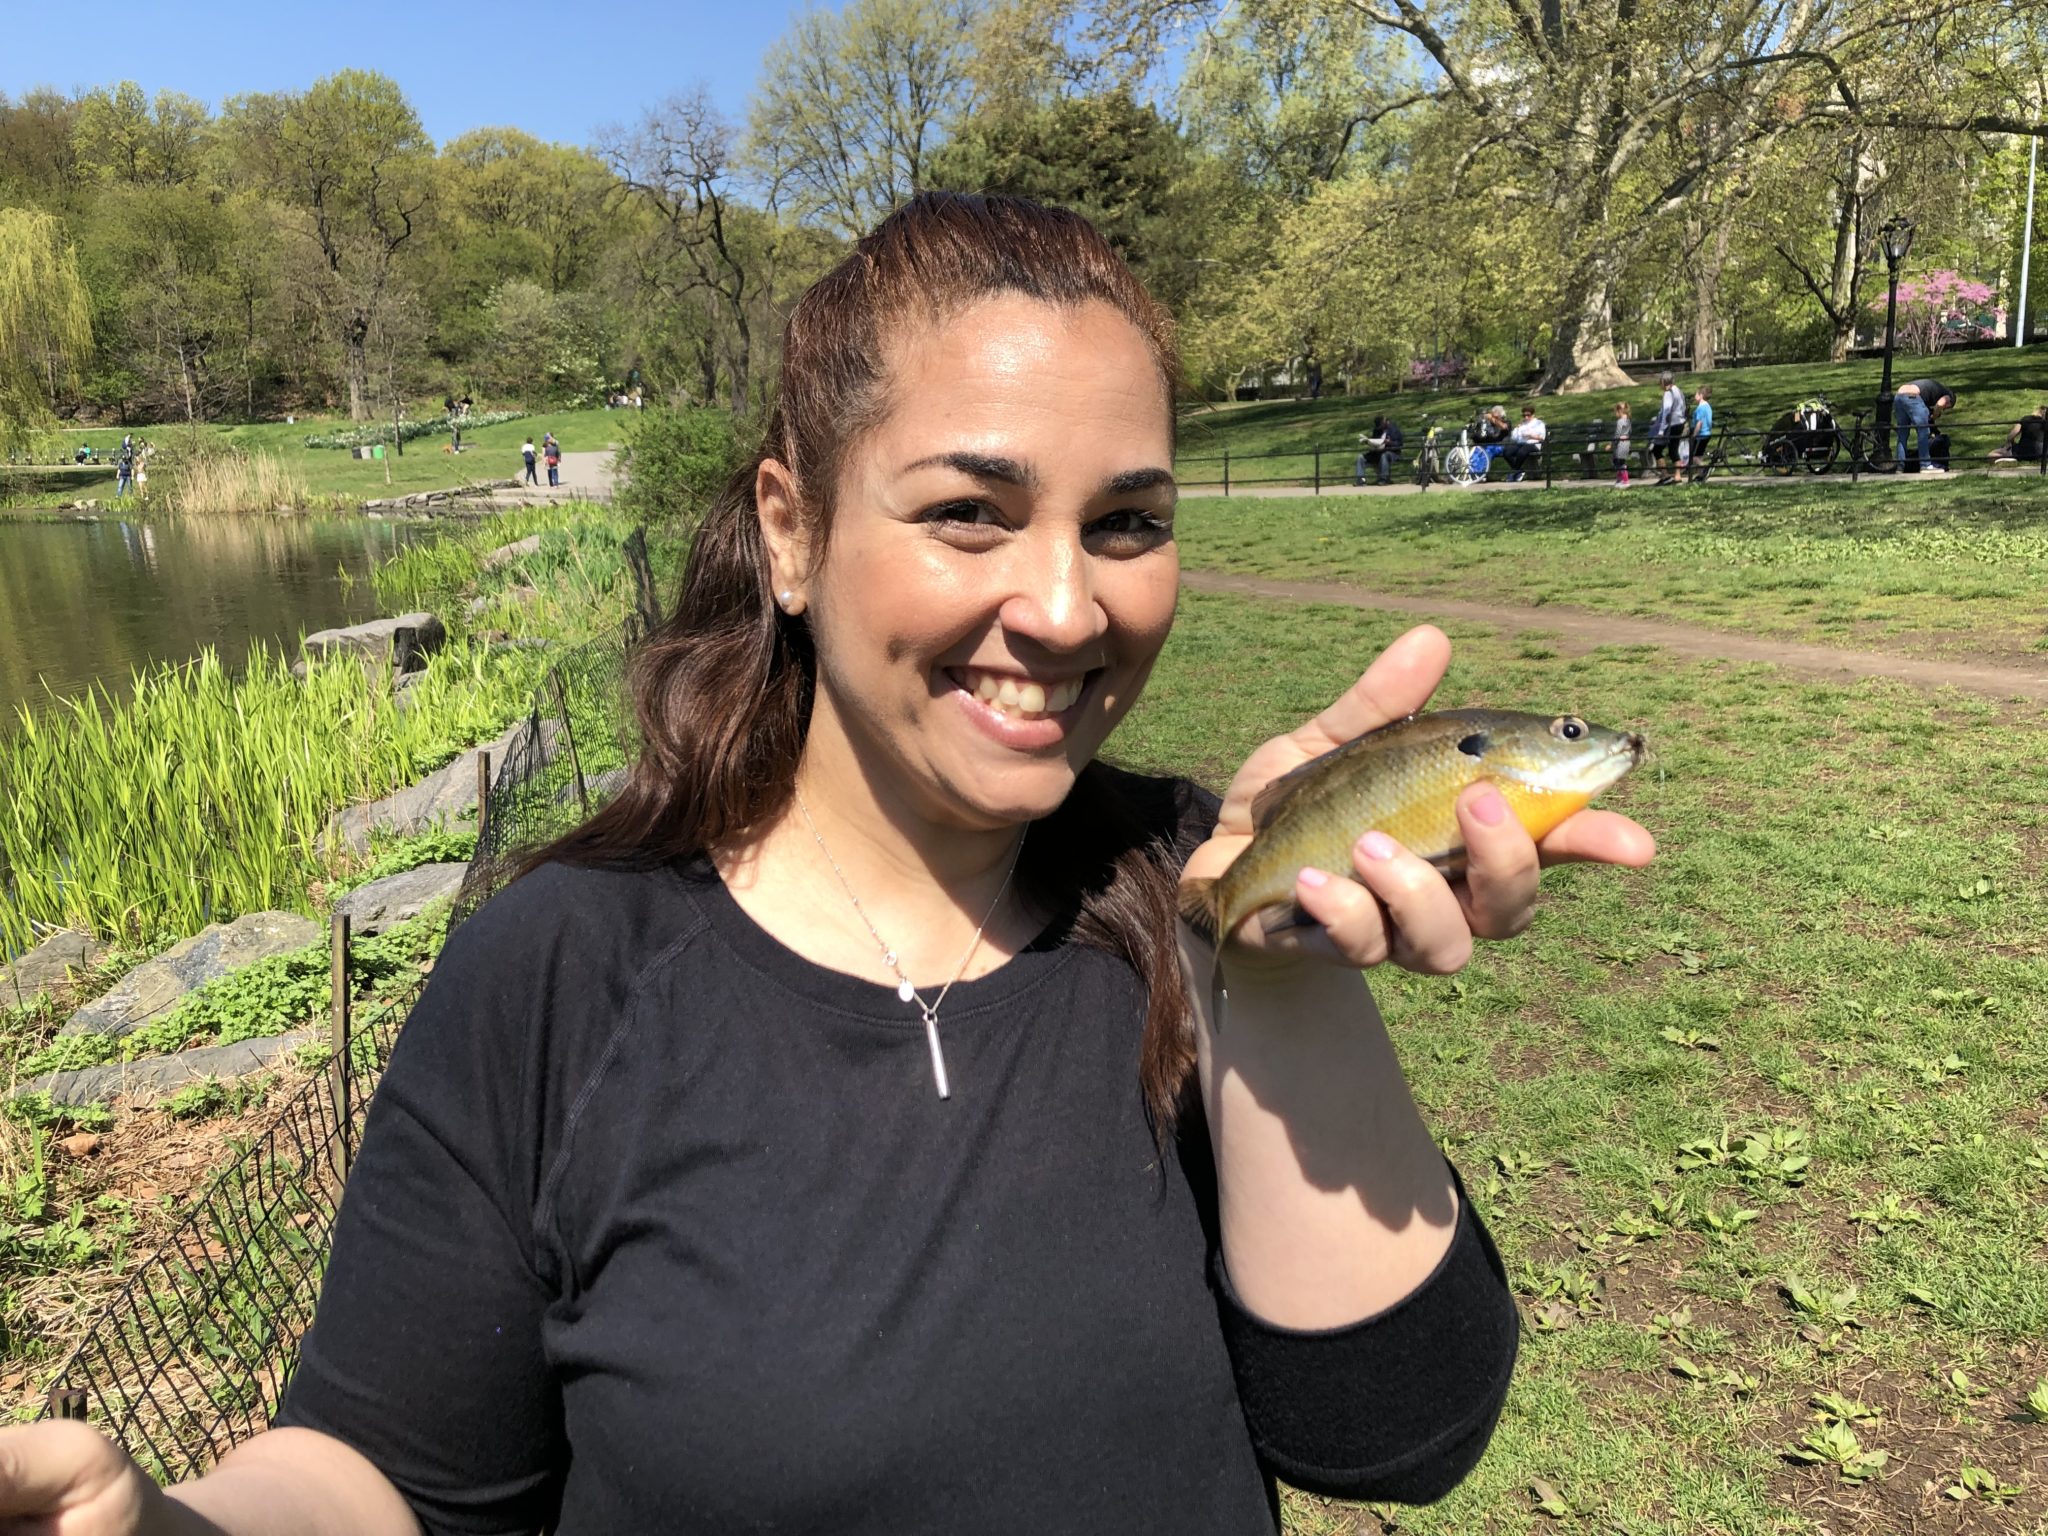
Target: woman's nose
x,y
1054,600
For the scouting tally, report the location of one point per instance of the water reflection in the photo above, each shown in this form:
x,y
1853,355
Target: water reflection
x,y
87,602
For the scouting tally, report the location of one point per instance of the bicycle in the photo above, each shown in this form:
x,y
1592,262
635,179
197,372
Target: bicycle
x,y
1467,462
1810,437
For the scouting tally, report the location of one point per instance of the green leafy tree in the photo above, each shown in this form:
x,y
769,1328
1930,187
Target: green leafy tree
x,y
120,135
349,158
852,104
45,321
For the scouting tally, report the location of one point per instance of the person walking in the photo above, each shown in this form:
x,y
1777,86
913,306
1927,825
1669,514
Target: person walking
x,y
552,452
1623,425
1667,428
1915,407
823,1137
1692,448
529,458
124,468
1382,444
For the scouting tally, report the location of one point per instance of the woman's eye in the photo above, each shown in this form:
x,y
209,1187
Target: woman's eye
x,y
962,512
1131,526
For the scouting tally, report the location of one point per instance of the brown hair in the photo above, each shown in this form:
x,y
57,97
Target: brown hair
x,y
723,688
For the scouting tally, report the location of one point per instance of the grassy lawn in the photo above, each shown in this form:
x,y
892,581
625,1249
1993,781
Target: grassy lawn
x,y
1760,1129
489,453
1949,568
1994,387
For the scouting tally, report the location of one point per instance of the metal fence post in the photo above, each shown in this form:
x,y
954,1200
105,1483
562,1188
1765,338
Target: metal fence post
x,y
569,731
337,1034
1226,471
483,795
1319,471
1543,453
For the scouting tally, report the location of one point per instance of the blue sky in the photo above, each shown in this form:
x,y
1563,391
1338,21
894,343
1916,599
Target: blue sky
x,y
558,71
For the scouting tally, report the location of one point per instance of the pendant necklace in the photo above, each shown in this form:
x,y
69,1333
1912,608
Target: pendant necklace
x,y
904,989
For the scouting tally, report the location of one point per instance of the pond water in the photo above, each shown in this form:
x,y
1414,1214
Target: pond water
x,y
86,602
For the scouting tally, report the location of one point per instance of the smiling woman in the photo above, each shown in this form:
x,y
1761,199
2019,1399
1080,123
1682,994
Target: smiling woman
x,y
824,1138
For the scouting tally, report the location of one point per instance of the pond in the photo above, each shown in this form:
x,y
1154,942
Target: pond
x,y
86,602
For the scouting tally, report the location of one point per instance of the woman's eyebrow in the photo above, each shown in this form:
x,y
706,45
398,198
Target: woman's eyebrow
x,y
1131,481
983,466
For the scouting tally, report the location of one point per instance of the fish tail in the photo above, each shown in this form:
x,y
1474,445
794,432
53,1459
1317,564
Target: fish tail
x,y
1201,908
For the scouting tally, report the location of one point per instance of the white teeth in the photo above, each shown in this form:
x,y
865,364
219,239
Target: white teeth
x,y
1025,699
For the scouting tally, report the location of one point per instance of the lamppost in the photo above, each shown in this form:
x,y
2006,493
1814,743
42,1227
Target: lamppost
x,y
1895,235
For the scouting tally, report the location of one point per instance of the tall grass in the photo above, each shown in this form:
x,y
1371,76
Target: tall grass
x,y
205,795
237,482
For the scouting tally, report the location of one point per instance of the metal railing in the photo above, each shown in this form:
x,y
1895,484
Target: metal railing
x,y
1583,452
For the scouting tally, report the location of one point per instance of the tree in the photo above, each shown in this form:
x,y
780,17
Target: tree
x,y
677,168
120,136
45,322
852,104
349,156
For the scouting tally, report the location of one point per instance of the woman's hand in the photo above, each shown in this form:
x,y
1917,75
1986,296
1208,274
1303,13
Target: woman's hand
x,y
64,1478
1396,906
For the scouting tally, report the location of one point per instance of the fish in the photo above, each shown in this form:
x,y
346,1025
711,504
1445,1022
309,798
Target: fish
x,y
1404,780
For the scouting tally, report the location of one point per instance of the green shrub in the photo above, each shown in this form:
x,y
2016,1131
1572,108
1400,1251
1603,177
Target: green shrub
x,y
674,462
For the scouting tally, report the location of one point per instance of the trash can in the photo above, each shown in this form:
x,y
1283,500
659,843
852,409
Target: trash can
x,y
377,452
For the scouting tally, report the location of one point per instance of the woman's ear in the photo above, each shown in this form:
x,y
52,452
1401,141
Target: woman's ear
x,y
782,525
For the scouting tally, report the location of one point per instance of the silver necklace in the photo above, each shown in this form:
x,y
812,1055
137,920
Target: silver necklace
x,y
904,989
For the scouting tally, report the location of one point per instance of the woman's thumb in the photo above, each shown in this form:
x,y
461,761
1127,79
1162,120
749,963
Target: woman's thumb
x,y
45,1468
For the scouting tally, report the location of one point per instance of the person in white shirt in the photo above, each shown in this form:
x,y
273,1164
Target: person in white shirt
x,y
1668,428
1526,441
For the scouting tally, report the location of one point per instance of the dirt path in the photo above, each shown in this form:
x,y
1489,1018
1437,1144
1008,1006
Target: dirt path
x,y
1587,630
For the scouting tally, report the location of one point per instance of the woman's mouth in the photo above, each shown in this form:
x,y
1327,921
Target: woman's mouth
x,y
1015,698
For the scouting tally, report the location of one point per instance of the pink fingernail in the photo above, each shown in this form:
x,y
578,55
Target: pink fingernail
x,y
1313,878
1488,807
1376,845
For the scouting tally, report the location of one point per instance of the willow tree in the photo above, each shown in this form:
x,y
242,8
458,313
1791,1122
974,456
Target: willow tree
x,y
45,321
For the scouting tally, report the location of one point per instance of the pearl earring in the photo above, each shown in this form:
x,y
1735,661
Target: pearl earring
x,y
786,598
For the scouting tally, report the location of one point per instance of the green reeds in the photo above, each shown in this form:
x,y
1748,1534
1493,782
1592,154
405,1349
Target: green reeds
x,y
206,795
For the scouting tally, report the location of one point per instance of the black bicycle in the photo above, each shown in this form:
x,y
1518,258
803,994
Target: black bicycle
x,y
1810,437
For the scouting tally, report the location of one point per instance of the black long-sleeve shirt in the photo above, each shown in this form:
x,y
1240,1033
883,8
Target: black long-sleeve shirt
x,y
659,1227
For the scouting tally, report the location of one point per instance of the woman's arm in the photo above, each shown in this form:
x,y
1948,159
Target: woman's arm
x,y
290,1482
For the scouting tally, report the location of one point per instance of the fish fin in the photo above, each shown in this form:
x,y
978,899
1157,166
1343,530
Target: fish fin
x,y
1267,802
1198,903
1199,909
1286,915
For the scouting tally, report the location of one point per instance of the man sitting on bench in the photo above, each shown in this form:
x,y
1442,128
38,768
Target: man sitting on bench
x,y
2029,435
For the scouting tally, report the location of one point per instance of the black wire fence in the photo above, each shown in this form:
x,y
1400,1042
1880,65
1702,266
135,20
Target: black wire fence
x,y
1812,439
192,1354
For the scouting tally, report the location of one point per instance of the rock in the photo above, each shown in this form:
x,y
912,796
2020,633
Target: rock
x,y
146,992
505,554
159,1076
600,787
404,641
49,967
84,1144
438,799
399,898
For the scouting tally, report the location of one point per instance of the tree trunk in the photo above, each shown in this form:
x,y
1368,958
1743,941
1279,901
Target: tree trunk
x,y
1582,357
1854,186
1706,290
357,343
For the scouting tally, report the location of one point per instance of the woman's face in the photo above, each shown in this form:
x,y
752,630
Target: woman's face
x,y
1000,572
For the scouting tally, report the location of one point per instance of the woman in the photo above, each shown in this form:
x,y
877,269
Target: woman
x,y
822,1139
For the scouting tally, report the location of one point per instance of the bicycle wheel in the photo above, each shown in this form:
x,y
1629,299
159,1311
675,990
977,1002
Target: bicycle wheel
x,y
1821,453
1780,456
1458,466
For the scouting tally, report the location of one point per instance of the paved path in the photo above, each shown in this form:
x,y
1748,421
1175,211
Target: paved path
x,y
585,477
1587,630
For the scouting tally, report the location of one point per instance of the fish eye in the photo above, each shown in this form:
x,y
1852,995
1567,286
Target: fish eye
x,y
1569,728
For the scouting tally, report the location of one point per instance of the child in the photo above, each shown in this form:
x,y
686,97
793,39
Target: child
x,y
1622,425
1694,449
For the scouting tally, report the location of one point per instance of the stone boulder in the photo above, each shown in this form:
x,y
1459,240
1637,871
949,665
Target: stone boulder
x,y
405,642
438,799
160,1076
51,967
505,554
149,991
399,898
